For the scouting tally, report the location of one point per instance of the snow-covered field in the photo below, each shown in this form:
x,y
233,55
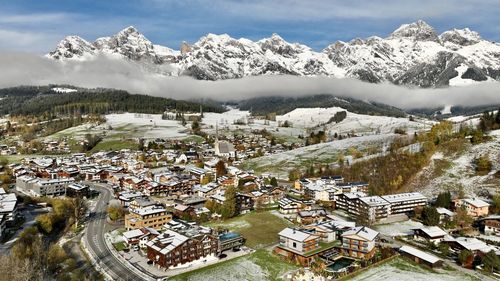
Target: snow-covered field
x,y
242,269
129,125
306,118
149,126
280,163
398,228
462,171
358,123
401,270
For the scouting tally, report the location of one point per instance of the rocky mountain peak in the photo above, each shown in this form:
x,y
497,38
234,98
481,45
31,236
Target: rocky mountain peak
x,y
418,30
72,47
463,37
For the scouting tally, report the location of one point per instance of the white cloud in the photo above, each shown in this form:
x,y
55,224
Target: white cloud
x,y
25,69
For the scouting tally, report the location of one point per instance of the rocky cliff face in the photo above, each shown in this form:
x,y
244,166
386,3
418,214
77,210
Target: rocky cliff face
x,y
414,54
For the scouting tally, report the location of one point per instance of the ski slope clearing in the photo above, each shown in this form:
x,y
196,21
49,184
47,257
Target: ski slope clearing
x,y
280,164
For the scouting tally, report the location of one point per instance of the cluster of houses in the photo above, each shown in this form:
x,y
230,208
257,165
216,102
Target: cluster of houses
x,y
350,198
327,240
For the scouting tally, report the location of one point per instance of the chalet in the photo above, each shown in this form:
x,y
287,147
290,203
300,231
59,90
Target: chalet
x,y
206,190
95,174
126,197
329,230
182,211
193,201
421,257
359,242
298,245
289,205
171,248
474,245
139,236
492,225
445,214
68,172
311,216
475,207
432,234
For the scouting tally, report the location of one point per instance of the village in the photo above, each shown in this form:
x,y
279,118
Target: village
x,y
192,209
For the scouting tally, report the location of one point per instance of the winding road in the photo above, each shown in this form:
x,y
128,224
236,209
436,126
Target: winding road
x,y
94,237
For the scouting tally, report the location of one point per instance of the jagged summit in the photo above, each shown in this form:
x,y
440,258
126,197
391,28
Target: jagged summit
x,y
418,30
463,37
412,55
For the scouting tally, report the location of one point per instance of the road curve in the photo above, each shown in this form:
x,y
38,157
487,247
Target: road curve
x,y
94,237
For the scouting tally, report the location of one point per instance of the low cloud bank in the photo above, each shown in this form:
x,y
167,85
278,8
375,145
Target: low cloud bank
x,y
28,69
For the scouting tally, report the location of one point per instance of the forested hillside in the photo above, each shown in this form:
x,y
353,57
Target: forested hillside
x,y
281,105
43,100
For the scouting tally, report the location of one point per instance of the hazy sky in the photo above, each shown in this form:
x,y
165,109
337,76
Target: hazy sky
x,y
30,69
37,26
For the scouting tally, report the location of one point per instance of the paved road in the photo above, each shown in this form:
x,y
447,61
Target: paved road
x,y
97,246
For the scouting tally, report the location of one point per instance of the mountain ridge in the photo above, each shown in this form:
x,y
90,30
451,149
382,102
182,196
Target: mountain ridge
x,y
413,49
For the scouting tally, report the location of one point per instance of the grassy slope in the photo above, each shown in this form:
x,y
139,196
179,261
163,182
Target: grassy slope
x,y
259,228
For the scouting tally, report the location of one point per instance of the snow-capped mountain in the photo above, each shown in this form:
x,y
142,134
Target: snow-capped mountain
x,y
414,54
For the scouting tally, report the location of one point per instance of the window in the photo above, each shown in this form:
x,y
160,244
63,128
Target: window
x,y
294,245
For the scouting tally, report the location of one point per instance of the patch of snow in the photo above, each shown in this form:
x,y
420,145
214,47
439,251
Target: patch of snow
x,y
64,90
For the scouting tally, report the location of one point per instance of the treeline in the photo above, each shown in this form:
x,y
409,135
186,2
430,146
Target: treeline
x,y
36,255
490,121
42,100
280,105
389,173
455,111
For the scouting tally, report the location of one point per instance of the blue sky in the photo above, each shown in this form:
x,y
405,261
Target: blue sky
x,y
37,26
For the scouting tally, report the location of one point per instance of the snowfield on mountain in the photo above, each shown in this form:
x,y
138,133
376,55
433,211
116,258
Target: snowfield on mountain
x,y
414,54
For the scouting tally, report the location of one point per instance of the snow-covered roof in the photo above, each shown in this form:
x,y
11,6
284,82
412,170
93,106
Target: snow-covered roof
x,y
133,234
473,244
294,234
374,201
401,197
478,203
433,231
363,232
419,254
444,211
167,241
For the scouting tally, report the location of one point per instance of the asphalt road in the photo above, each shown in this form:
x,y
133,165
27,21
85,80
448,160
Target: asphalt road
x,y
97,246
